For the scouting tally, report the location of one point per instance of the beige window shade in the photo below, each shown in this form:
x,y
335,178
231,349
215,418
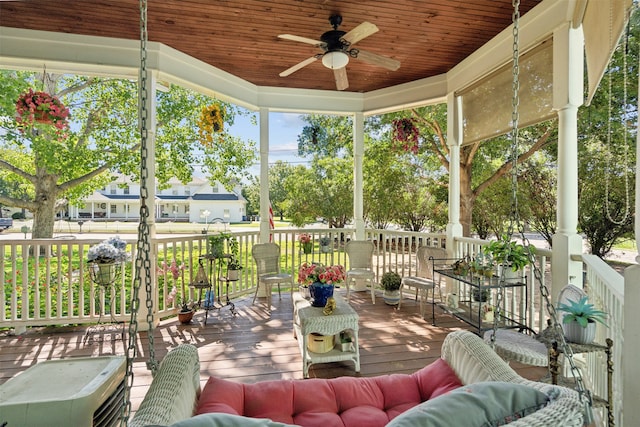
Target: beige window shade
x,y
487,106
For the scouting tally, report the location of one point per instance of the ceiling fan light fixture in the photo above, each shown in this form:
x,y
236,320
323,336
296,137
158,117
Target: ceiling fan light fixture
x,y
335,60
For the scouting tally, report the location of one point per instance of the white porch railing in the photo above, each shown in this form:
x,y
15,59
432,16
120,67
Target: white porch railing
x,y
605,287
54,288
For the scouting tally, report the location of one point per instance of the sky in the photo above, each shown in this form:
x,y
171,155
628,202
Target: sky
x,y
284,129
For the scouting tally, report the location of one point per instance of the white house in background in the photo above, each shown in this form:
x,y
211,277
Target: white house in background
x,y
196,201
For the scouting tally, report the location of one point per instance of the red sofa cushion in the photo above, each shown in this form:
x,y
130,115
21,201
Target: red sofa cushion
x,y
344,401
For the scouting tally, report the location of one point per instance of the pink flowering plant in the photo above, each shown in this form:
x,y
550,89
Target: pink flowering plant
x,y
406,134
41,107
304,238
310,273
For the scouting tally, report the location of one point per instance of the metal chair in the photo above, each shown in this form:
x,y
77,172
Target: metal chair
x,y
424,279
360,254
267,258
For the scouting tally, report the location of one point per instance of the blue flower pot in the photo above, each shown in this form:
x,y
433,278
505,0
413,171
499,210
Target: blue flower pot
x,y
320,292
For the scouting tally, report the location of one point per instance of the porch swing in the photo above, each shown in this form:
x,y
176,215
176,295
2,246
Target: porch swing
x,y
174,394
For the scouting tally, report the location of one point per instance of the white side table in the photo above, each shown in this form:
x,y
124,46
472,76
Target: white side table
x,y
308,319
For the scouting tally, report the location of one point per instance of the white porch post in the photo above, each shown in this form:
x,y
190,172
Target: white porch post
x,y
631,334
150,107
568,59
264,175
358,187
454,140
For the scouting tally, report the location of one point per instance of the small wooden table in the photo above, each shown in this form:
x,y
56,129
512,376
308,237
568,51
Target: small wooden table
x,y
308,319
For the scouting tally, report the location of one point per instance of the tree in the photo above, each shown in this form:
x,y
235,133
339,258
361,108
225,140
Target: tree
x,y
278,174
481,163
103,137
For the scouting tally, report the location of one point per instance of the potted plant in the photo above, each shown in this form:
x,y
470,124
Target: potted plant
x,y
306,243
215,244
325,243
579,320
233,263
103,259
390,283
510,254
321,280
233,268
186,312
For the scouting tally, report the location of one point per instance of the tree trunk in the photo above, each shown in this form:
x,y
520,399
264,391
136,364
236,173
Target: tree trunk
x,y
467,199
45,200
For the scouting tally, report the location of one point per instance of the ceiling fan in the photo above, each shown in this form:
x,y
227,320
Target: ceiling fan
x,y
337,50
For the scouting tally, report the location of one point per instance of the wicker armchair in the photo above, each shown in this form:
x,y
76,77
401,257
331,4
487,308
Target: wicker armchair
x,y
267,258
360,253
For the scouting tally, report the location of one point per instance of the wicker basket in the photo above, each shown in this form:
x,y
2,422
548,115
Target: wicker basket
x,y
320,343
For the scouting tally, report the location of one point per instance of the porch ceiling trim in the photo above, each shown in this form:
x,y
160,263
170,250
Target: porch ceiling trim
x,y
102,56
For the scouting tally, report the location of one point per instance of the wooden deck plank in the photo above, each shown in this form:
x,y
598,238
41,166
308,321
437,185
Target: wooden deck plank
x,y
255,345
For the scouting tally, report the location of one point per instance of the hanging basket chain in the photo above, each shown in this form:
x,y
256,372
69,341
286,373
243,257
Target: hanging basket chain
x,y
516,223
143,261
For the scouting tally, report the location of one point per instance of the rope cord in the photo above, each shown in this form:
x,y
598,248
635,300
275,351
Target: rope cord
x,y
608,154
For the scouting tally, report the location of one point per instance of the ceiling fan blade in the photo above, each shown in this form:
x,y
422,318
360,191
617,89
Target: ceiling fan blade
x,y
299,65
361,31
300,39
340,75
375,59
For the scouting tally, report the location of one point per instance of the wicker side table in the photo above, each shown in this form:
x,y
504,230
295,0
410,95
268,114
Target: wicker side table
x,y
308,319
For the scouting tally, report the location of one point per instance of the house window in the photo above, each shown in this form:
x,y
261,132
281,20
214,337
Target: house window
x,y
126,190
186,209
114,209
113,189
226,214
174,192
187,191
214,189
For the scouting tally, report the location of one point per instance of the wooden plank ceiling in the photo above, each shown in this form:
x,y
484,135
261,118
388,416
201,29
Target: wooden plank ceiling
x,y
428,37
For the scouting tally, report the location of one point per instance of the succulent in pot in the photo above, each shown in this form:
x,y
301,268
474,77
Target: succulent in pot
x,y
579,320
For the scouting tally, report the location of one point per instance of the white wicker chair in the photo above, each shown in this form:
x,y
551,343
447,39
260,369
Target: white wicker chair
x,y
267,258
360,253
424,279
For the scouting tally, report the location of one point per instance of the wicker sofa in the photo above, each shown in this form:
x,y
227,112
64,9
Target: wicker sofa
x,y
466,354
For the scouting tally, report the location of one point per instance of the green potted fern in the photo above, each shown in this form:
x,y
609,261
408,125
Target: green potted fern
x,y
579,320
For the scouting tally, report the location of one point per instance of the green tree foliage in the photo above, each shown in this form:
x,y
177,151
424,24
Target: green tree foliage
x,y
539,185
607,135
104,137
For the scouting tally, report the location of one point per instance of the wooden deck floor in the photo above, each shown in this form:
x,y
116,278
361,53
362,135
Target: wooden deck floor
x,y
255,345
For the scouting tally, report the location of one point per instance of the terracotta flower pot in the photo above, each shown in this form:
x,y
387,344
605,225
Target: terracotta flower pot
x,y
185,317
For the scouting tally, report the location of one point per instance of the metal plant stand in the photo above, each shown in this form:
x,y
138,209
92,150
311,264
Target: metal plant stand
x,y
104,276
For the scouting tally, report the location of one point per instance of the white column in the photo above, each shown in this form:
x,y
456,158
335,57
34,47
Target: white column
x,y
631,335
568,58
358,186
454,140
264,175
149,173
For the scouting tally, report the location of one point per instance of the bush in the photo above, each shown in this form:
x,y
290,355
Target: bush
x,y
17,215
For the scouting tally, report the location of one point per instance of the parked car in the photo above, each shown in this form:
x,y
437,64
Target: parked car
x,y
5,223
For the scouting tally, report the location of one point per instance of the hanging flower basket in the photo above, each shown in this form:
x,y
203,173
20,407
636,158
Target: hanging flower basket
x,y
211,121
405,135
41,107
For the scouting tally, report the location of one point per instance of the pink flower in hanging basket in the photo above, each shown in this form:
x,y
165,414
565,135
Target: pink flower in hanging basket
x,y
41,107
406,135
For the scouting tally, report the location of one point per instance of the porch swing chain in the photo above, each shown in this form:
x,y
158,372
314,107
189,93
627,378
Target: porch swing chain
x,y
143,259
608,154
514,222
